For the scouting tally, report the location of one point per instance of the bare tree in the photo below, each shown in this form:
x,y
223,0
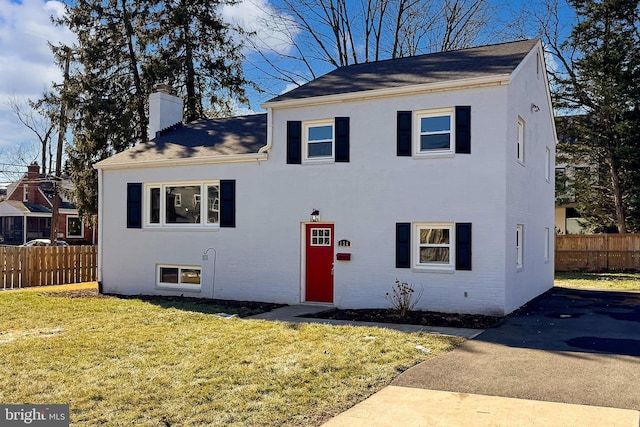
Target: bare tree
x,y
35,116
325,34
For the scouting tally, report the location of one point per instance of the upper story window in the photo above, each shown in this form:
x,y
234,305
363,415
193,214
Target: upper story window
x,y
520,141
173,204
318,140
434,131
440,132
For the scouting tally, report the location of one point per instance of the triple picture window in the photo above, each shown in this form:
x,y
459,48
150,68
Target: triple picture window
x,y
183,204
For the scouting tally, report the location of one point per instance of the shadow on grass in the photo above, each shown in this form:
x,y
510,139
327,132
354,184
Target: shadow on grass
x,y
197,305
209,306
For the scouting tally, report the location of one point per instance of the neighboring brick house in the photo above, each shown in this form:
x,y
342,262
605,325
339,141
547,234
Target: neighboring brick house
x,y
435,169
25,213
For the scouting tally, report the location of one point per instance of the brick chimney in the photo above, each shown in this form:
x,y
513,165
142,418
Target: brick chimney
x,y
30,185
165,109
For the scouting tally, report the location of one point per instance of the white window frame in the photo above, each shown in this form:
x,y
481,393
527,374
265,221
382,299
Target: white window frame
x,y
179,285
520,141
415,235
547,243
163,208
520,246
417,133
305,140
320,237
25,193
69,235
547,171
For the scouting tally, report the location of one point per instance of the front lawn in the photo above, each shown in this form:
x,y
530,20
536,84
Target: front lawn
x,y
130,362
604,281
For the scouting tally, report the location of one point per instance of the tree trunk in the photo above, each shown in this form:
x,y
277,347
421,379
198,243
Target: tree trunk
x,y
190,78
62,128
617,197
133,65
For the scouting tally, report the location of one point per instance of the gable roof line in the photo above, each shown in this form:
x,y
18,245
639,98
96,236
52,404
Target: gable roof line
x,y
473,82
192,161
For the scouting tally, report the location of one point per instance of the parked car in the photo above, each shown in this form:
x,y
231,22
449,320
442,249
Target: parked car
x,y
44,242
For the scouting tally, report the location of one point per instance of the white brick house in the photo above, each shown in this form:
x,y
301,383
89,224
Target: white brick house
x,y
435,169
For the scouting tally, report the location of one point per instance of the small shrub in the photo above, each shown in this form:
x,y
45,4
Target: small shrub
x,y
403,297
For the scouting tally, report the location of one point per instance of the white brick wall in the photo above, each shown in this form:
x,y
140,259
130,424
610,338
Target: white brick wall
x,y
262,258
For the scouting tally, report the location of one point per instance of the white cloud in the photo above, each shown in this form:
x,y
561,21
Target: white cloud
x,y
26,62
269,29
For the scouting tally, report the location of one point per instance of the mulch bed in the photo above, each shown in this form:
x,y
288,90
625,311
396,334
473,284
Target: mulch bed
x,y
247,308
423,318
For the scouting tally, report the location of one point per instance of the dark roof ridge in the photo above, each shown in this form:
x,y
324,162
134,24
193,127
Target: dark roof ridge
x,y
442,52
475,62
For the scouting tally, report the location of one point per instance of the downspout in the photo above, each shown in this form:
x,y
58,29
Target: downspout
x,y
267,147
100,227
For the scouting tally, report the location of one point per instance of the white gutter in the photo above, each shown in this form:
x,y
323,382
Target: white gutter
x,y
494,80
99,223
267,147
202,160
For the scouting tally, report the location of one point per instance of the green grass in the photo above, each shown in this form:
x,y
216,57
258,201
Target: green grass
x,y
607,281
120,362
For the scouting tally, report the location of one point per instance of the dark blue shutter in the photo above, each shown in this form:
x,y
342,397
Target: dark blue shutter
x,y
463,129
404,133
228,203
463,246
294,142
403,245
342,139
134,205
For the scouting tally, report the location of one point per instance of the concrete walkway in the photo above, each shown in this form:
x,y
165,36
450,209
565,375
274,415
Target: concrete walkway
x,y
401,406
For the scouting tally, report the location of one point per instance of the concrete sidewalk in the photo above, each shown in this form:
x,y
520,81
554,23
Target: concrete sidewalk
x,y
295,314
401,406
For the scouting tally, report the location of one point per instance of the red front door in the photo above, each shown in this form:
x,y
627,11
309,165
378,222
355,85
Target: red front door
x,y
319,262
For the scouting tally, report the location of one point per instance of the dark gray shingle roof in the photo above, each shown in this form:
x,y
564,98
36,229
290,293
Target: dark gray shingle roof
x,y
480,61
200,138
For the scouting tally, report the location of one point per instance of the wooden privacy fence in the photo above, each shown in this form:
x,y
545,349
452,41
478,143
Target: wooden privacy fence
x,y
47,265
598,252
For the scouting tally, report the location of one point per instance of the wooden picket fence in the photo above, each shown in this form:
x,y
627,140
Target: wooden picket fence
x,y
598,252
47,265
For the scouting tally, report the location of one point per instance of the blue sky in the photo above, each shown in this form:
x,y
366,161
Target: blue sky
x,y
27,68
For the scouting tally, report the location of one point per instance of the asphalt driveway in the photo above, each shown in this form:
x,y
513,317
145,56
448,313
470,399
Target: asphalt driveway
x,y
570,346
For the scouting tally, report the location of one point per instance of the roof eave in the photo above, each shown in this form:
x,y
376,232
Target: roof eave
x,y
492,80
188,161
